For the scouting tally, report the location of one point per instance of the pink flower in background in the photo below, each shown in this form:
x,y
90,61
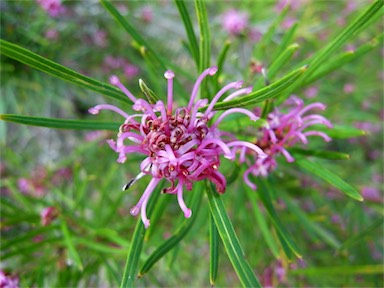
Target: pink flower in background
x,y
47,215
179,144
52,7
7,281
130,70
146,14
288,22
371,194
235,22
52,34
349,88
100,38
114,63
283,130
311,92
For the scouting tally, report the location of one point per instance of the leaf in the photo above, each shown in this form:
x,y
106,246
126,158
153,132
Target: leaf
x,y
193,45
329,177
179,235
342,59
151,96
264,192
220,63
229,238
359,237
213,251
205,42
132,31
340,132
47,66
262,223
285,41
73,254
340,270
263,94
131,265
331,155
309,226
60,123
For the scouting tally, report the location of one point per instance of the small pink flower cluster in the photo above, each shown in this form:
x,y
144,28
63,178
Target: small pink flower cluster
x,y
114,63
235,22
283,130
52,7
180,146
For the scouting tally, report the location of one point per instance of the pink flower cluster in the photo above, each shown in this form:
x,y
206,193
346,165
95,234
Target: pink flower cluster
x,y
8,281
283,130
114,63
52,7
235,22
179,145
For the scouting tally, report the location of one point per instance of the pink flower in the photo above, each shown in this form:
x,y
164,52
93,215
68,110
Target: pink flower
x,y
311,92
283,130
47,215
235,22
180,145
100,38
7,281
53,7
349,88
146,14
371,194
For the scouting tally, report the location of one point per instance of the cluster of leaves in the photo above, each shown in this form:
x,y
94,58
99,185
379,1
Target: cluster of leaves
x,y
90,235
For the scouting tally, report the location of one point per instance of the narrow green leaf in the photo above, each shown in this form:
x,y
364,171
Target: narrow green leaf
x,y
205,44
205,38
73,254
149,94
358,238
329,177
340,270
213,251
309,226
47,66
342,59
319,58
331,155
264,192
262,223
131,265
340,132
123,21
229,238
179,235
60,123
263,94
285,41
193,45
220,63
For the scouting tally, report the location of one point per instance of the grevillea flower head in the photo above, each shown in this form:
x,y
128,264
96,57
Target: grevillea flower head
x,y
179,144
53,7
8,281
283,130
235,22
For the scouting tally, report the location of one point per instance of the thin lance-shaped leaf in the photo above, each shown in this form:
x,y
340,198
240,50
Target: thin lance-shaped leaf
x,y
263,94
262,223
220,63
213,251
309,226
331,155
229,238
362,234
193,45
342,59
131,265
353,28
205,38
73,254
131,30
60,123
340,270
149,94
177,237
320,58
276,65
47,66
329,177
205,42
285,41
340,132
264,190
